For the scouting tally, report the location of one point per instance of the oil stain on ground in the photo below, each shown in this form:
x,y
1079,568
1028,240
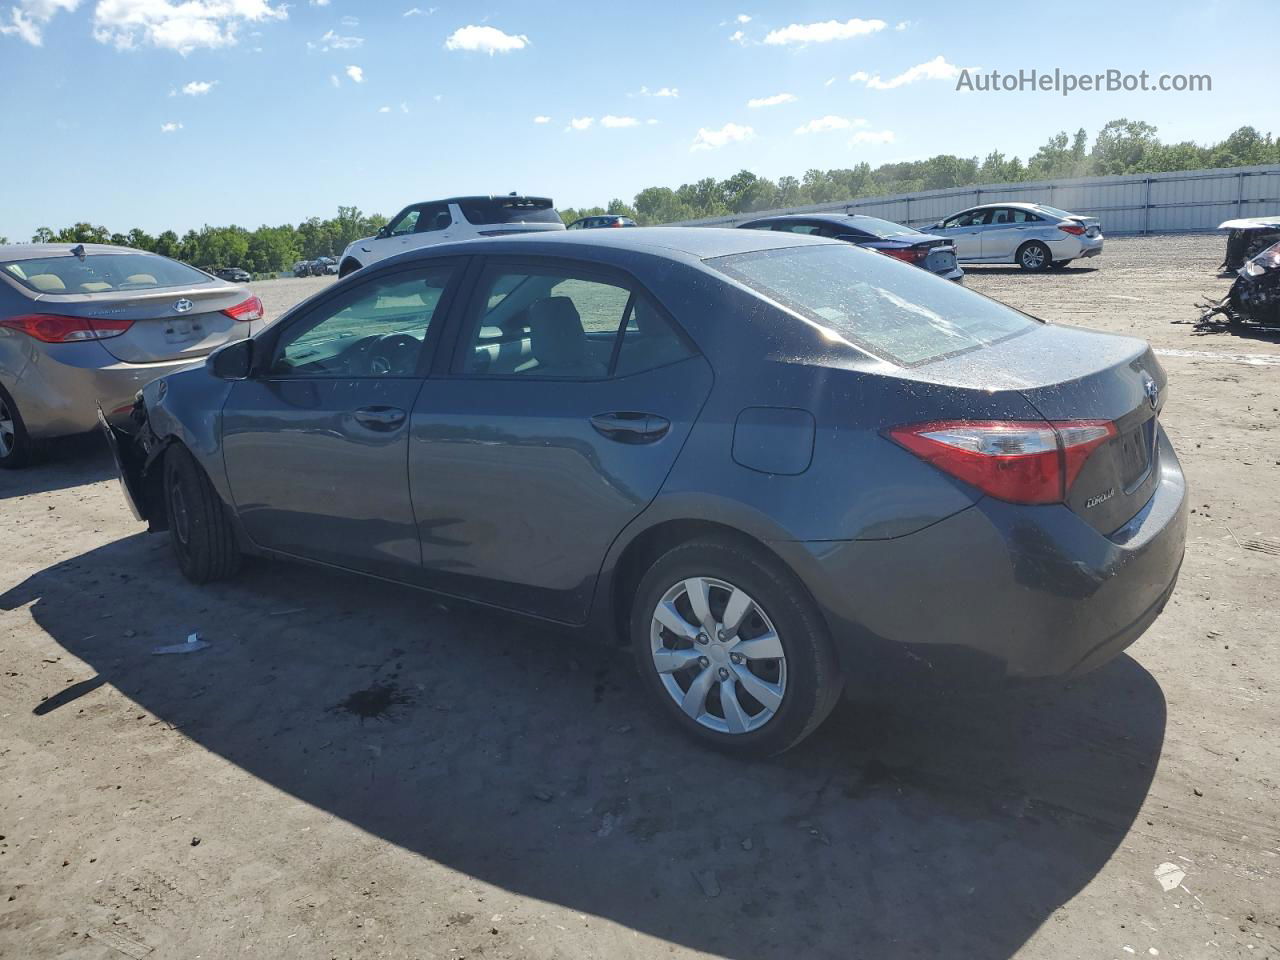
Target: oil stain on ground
x,y
376,702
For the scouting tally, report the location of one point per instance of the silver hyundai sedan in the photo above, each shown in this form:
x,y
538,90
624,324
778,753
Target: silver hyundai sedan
x,y
1032,235
83,325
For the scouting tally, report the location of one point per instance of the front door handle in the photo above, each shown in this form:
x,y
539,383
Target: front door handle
x,y
379,417
628,426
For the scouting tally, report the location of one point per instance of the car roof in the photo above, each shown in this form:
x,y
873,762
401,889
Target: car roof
x,y
36,251
702,243
480,196
1008,203
837,218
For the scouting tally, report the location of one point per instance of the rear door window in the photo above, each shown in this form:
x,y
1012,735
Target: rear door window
x,y
889,309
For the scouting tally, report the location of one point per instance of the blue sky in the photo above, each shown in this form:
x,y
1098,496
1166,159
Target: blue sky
x,y
162,114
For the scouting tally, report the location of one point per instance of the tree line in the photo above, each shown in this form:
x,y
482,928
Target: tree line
x,y
1121,147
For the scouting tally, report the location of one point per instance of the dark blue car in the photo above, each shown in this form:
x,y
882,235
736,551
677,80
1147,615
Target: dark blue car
x,y
932,253
764,462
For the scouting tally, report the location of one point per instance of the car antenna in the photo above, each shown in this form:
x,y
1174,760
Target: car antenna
x,y
78,250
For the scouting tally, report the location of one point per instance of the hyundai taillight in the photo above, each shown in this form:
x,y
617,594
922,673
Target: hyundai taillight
x,y
1017,461
251,309
909,254
1072,228
55,328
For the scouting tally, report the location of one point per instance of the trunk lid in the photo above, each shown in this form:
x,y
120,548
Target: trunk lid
x,y
1071,374
1092,225
172,323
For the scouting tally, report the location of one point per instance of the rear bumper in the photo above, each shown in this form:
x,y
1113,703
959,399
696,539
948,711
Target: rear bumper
x,y
1032,591
58,387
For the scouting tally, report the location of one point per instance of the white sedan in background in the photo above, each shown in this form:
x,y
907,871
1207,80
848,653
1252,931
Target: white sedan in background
x,y
1031,235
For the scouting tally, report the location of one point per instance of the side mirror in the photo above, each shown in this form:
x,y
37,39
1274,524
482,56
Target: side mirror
x,y
233,361
383,232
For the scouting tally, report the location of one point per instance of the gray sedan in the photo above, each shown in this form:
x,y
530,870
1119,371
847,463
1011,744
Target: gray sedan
x,y
763,461
83,325
1032,235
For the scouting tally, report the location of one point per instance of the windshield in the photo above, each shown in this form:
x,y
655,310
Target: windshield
x,y
881,228
102,273
895,311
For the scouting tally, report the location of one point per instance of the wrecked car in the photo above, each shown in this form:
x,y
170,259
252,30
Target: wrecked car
x,y
1254,298
1245,239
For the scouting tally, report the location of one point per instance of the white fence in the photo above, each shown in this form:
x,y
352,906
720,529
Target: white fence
x,y
1177,202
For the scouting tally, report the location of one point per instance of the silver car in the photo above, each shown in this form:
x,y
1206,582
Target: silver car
x,y
1032,235
91,324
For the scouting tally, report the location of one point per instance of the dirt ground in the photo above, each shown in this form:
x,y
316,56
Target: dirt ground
x,y
355,770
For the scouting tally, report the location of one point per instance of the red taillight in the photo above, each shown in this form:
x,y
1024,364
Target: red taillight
x,y
909,254
55,328
1072,228
1017,461
251,309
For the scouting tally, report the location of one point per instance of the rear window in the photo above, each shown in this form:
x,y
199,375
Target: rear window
x,y
894,311
509,210
101,273
881,228
1054,211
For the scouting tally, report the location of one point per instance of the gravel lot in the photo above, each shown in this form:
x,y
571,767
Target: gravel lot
x,y
354,770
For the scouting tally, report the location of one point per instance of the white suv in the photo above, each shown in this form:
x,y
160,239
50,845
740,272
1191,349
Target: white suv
x,y
457,218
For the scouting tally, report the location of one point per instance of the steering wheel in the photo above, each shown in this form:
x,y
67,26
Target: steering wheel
x,y
394,353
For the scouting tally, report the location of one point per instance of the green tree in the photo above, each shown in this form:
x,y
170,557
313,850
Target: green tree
x,y
1123,146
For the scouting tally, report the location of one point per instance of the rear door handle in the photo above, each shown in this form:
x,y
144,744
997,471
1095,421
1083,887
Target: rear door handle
x,y
379,417
628,426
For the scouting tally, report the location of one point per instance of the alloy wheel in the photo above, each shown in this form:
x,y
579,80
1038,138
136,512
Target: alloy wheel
x,y
1033,257
8,436
718,655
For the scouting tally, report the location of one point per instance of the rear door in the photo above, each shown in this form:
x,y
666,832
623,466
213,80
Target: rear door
x,y
569,395
316,442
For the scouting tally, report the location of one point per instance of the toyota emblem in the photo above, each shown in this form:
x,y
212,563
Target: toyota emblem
x,y
183,305
1152,391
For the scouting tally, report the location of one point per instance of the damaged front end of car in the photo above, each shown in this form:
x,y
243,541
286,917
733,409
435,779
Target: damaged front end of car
x,y
136,450
1247,238
1254,297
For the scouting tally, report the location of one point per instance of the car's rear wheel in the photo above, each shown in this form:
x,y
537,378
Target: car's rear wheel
x,y
1060,264
16,446
204,542
733,649
1033,256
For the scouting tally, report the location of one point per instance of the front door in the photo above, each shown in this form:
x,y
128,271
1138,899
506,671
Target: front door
x,y
966,230
570,396
316,442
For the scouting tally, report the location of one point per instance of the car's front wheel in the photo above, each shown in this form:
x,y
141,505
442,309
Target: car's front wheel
x,y
1033,256
204,542
15,443
733,649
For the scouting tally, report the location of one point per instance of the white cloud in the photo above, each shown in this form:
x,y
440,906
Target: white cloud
x,y
437,97
738,37
824,31
872,136
743,18
333,79
488,40
729,133
183,27
902,25
829,123
541,118
198,88
171,127
580,123
28,18
319,3
335,41
773,101
830,81
355,73
667,92
419,12
651,121
404,107
349,21
384,109
935,69
609,120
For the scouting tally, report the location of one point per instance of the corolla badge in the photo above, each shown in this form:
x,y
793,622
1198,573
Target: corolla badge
x,y
1088,505
1151,390
183,305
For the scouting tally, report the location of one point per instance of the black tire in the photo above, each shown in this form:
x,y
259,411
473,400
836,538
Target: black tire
x,y
204,542
812,680
17,449
1034,256
1060,264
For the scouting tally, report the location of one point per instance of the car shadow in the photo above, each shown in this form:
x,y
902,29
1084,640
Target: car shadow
x,y
993,270
945,823
62,463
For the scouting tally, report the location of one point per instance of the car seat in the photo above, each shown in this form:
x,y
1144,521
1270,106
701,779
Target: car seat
x,y
558,341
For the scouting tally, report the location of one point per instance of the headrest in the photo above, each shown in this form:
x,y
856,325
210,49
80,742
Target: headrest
x,y
555,332
141,278
47,282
